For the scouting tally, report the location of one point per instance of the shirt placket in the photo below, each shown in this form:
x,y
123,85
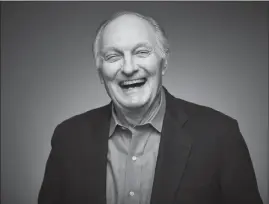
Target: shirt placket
x,y
133,171
134,166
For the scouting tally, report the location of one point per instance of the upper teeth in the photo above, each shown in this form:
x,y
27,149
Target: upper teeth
x,y
128,82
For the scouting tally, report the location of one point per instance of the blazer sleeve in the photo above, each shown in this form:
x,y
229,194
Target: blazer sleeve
x,y
238,180
51,187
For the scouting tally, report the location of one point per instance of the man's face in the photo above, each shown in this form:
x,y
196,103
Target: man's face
x,y
132,67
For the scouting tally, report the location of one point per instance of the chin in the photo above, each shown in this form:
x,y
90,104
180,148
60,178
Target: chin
x,y
133,104
133,98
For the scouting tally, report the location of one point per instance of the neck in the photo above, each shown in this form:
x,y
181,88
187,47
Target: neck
x,y
135,116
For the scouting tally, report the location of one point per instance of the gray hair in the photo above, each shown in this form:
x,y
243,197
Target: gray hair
x,y
161,39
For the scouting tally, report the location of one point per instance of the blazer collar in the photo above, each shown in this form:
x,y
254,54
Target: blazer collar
x,y
174,151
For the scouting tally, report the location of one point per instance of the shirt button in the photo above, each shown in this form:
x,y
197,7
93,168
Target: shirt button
x,y
134,158
131,193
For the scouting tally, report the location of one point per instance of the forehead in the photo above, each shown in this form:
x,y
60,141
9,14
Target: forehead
x,y
127,31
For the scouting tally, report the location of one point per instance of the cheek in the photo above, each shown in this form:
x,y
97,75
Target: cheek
x,y
110,70
152,65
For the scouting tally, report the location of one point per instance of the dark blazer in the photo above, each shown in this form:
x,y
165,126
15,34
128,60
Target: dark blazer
x,y
203,159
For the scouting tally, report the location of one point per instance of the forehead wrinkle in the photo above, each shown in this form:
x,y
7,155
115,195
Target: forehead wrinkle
x,y
125,23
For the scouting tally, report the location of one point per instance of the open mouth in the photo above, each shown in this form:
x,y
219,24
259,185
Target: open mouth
x,y
128,84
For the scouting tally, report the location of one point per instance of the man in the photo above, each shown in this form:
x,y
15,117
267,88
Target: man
x,y
146,146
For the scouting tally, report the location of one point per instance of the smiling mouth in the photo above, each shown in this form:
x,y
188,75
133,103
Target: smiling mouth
x,y
128,84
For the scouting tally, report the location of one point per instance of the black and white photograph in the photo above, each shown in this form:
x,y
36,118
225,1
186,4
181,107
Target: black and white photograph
x,y
134,102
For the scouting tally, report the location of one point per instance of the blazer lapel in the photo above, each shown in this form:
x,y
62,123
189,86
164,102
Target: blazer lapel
x,y
174,151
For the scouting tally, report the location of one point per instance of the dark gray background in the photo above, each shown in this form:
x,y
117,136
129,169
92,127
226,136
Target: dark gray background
x,y
219,58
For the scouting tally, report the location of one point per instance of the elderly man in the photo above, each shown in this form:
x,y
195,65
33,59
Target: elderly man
x,y
146,146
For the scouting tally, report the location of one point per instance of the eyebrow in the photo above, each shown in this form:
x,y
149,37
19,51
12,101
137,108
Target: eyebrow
x,y
112,48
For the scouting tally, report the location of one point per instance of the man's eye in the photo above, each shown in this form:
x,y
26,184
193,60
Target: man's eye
x,y
112,58
142,53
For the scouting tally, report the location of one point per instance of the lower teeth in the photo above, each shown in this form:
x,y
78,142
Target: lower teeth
x,y
135,86
131,86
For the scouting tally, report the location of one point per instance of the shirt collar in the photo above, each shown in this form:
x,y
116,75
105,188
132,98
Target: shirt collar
x,y
156,120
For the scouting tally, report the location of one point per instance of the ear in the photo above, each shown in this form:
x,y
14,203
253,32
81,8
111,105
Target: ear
x,y
164,66
100,75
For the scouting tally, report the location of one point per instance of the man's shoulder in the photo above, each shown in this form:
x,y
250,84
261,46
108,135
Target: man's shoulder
x,y
89,118
203,114
207,123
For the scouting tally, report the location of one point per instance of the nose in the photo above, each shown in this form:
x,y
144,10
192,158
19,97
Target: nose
x,y
128,68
